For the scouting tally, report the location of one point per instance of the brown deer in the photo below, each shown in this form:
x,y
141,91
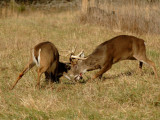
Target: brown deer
x,y
45,55
119,48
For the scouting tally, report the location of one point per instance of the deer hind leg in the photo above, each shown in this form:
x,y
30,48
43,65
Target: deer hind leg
x,y
149,62
50,77
103,70
54,72
40,71
54,78
56,75
140,65
152,64
47,76
26,69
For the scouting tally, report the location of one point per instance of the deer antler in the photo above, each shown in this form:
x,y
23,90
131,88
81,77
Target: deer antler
x,y
80,56
76,57
74,49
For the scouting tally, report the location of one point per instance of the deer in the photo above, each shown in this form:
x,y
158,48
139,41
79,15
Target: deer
x,y
46,57
122,47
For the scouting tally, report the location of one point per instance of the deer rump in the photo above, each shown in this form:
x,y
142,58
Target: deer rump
x,y
119,48
46,57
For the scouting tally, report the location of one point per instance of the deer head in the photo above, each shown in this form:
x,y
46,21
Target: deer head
x,y
76,71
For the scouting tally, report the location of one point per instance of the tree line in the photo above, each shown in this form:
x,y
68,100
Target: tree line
x,y
34,1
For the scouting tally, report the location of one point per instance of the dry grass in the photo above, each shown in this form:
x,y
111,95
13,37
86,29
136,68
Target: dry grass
x,y
122,95
139,18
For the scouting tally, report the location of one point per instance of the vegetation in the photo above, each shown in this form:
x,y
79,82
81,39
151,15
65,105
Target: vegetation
x,y
122,94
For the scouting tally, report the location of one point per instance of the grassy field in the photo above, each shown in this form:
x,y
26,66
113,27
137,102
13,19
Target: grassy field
x,y
123,94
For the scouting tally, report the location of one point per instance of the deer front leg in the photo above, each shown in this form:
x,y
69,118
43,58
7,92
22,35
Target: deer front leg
x,y
103,70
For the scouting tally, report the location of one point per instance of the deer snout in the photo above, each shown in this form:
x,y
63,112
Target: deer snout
x,y
78,77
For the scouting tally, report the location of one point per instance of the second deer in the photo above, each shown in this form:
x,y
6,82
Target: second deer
x,y
119,48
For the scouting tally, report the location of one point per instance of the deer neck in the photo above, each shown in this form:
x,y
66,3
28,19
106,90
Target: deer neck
x,y
90,64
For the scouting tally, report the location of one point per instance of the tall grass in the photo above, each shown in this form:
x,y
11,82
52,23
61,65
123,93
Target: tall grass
x,y
135,17
11,9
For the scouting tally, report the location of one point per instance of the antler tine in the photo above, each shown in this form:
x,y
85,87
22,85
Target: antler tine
x,y
82,52
74,49
76,57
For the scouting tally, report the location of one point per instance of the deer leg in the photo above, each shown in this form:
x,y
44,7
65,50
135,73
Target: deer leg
x,y
56,75
47,76
152,64
140,67
140,64
26,69
40,71
100,77
149,62
53,77
103,70
38,79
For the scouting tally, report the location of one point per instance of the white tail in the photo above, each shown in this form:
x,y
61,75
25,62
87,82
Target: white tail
x,y
119,48
45,55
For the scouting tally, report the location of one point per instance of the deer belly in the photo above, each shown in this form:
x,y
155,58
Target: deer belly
x,y
128,56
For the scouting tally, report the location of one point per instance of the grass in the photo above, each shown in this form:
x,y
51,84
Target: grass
x,y
134,16
123,94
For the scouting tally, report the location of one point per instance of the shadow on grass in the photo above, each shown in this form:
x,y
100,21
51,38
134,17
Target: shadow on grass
x,y
88,78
